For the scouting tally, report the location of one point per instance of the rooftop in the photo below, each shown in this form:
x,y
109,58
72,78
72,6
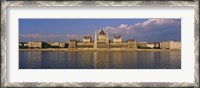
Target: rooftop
x,y
117,36
131,40
101,32
86,37
72,40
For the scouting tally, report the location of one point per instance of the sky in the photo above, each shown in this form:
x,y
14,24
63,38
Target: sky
x,y
61,30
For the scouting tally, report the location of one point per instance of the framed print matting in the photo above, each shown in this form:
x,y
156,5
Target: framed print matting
x,y
100,44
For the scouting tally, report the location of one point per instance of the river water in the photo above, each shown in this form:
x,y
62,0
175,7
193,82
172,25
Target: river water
x,y
99,60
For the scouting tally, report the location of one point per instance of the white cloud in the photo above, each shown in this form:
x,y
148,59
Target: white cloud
x,y
152,24
55,35
43,37
123,26
31,35
151,28
156,23
110,29
50,37
77,37
121,29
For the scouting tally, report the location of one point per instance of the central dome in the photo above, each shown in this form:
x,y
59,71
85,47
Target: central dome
x,y
101,32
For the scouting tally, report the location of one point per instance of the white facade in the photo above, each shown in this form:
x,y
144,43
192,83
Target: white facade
x,y
150,45
142,44
86,39
54,44
102,36
62,45
57,44
170,45
117,40
35,44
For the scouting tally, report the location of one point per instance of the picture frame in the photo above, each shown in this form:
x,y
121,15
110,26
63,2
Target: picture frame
x,y
4,45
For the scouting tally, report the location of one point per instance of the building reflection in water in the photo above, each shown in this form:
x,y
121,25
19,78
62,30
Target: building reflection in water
x,y
115,60
129,60
95,60
165,59
103,60
145,60
53,59
84,60
99,60
71,59
175,61
159,60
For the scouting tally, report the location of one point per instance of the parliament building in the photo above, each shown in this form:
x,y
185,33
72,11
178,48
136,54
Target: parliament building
x,y
101,41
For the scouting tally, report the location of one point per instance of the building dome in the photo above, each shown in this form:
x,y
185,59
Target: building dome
x,y
101,32
117,36
86,37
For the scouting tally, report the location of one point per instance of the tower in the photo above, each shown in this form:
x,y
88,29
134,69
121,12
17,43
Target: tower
x,y
102,36
95,40
107,40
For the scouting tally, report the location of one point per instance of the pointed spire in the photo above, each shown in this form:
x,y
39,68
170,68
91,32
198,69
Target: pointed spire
x,y
101,32
95,36
107,37
95,40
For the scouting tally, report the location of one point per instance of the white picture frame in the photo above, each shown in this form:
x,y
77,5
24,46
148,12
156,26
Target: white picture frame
x,y
5,39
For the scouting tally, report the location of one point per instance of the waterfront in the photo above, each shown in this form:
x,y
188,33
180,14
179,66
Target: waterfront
x,y
99,59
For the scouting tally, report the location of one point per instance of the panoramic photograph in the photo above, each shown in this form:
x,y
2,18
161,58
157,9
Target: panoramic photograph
x,y
140,43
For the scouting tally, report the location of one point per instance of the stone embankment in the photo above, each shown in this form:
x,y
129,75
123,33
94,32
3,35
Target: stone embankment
x,y
102,49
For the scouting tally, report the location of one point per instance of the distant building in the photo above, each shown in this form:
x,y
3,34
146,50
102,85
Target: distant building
x,y
170,45
86,39
102,41
156,45
38,45
117,39
62,45
132,43
23,45
102,36
141,44
66,45
72,43
57,44
86,43
54,44
117,42
26,44
150,45
81,44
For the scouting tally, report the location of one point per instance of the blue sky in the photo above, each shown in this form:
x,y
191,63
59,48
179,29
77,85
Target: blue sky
x,y
57,30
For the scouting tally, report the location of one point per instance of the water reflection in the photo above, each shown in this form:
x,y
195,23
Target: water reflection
x,y
30,59
99,60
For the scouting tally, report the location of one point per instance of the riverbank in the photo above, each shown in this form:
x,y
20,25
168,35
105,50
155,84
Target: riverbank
x,y
80,49
158,49
102,49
